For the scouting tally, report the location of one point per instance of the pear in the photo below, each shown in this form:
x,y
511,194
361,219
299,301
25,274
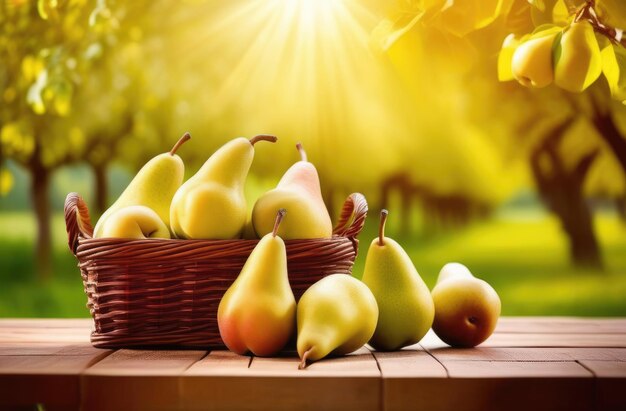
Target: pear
x,y
211,204
532,61
466,308
135,222
258,311
153,187
578,61
299,192
336,315
405,306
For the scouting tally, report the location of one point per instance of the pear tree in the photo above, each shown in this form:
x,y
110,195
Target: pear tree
x,y
571,49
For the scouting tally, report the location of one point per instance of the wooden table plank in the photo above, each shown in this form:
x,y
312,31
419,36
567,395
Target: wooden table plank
x,y
46,323
610,384
49,379
561,325
431,341
137,380
538,363
225,381
42,364
481,353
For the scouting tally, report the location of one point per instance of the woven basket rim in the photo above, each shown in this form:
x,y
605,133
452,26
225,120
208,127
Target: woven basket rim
x,y
80,229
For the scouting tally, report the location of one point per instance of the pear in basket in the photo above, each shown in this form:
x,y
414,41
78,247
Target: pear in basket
x,y
211,204
337,315
143,209
299,192
258,311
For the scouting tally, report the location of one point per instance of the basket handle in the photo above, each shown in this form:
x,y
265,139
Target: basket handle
x,y
352,217
77,221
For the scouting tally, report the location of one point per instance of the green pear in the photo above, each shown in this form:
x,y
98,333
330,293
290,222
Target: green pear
x,y
532,61
211,204
258,311
577,58
135,222
336,315
153,187
466,308
405,306
299,192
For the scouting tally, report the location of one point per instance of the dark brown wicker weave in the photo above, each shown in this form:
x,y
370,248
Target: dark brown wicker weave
x,y
162,292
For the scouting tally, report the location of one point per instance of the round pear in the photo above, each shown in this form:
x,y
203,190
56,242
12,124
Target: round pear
x,y
466,308
532,61
135,222
337,315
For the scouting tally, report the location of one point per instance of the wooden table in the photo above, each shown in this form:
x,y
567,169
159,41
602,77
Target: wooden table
x,y
529,363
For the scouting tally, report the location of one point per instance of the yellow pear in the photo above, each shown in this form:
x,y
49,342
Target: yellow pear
x,y
299,192
258,311
153,187
135,222
211,204
466,308
336,315
577,58
405,306
532,61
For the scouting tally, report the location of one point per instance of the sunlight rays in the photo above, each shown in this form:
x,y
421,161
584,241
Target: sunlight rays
x,y
299,68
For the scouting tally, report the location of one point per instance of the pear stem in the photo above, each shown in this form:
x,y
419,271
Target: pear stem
x,y
180,142
263,137
279,218
381,228
303,156
302,364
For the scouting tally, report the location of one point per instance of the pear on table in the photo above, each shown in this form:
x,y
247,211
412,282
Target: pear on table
x,y
257,312
299,192
466,308
405,306
153,187
211,204
337,315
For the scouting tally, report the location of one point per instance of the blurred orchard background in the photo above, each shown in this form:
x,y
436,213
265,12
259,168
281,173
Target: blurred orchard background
x,y
399,100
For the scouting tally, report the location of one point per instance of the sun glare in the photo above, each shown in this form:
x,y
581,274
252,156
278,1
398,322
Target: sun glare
x,y
301,68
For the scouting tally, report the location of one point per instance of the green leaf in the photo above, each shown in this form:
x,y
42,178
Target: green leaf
x,y
387,32
34,95
62,102
538,4
543,15
612,12
614,69
463,17
505,58
47,8
6,182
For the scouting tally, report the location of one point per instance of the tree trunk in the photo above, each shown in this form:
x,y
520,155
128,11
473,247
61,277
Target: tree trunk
x,y
605,124
101,190
561,189
578,224
40,187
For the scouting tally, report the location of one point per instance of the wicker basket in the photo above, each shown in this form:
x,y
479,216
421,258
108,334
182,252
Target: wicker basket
x,y
162,292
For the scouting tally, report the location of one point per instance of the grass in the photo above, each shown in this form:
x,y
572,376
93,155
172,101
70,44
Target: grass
x,y
523,255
